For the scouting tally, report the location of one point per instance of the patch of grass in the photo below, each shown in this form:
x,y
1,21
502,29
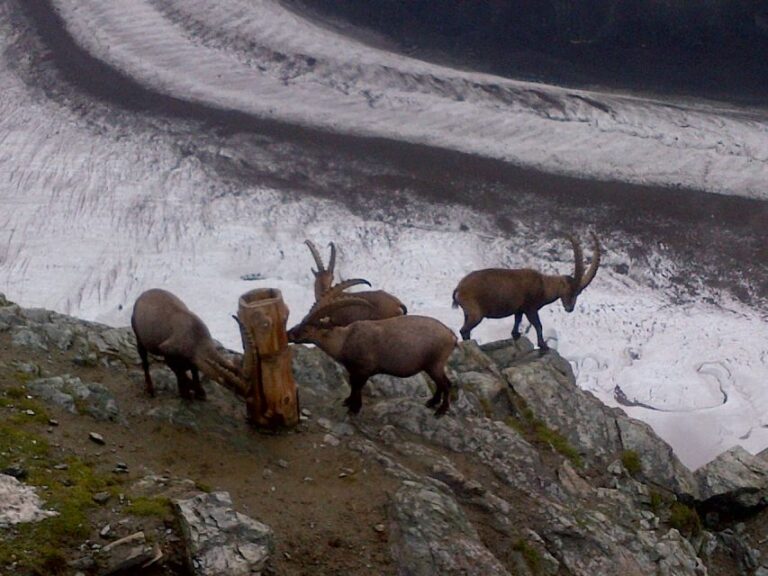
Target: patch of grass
x,y
685,519
657,501
40,415
16,397
15,392
631,461
530,555
23,377
158,507
203,487
535,430
40,547
486,405
558,442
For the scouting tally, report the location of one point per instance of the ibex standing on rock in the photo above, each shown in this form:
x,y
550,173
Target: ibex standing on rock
x,y
164,326
383,304
498,293
400,346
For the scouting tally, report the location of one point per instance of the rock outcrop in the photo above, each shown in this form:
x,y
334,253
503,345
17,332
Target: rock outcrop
x,y
528,474
220,540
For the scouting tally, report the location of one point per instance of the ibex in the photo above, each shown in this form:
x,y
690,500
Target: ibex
x,y
164,326
383,304
498,293
400,346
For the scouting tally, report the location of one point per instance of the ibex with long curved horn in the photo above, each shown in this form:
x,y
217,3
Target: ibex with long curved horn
x,y
164,326
498,293
400,346
383,304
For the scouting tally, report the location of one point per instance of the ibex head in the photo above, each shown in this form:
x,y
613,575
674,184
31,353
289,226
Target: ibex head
x,y
574,285
319,319
323,276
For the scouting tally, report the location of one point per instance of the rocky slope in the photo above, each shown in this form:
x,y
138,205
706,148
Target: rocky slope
x,y
527,475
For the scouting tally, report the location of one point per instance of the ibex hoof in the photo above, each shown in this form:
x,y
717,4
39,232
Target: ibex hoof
x,y
201,395
442,411
354,409
516,336
432,402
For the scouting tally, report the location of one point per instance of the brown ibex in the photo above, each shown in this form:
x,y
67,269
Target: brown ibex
x,y
164,326
383,304
498,292
400,346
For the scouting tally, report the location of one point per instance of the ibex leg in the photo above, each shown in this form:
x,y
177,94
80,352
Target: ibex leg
x,y
471,319
533,318
179,368
196,386
516,327
442,393
148,384
355,400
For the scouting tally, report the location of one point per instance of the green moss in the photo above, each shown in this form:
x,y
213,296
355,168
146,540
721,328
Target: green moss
x,y
685,519
144,506
631,461
39,548
203,487
530,555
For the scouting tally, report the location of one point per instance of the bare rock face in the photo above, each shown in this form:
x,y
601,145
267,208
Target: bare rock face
x,y
600,433
19,503
220,540
432,536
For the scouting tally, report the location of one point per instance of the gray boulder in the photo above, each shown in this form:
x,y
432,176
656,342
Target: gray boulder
x,y
220,540
735,478
10,315
74,395
25,337
432,536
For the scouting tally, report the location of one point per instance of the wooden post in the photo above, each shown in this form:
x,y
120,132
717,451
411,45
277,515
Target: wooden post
x,y
272,400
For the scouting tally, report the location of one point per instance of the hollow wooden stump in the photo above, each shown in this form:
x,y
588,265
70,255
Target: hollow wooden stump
x,y
271,400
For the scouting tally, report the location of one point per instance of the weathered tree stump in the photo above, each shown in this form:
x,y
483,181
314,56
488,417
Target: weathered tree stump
x,y
272,400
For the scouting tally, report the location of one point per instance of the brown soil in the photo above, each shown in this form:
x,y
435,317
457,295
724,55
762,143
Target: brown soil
x,y
323,523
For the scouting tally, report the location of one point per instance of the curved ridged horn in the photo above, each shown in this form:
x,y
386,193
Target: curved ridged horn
x,y
322,309
249,348
316,256
332,261
225,374
578,257
594,265
339,288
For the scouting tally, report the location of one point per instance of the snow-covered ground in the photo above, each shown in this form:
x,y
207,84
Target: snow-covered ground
x,y
94,214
